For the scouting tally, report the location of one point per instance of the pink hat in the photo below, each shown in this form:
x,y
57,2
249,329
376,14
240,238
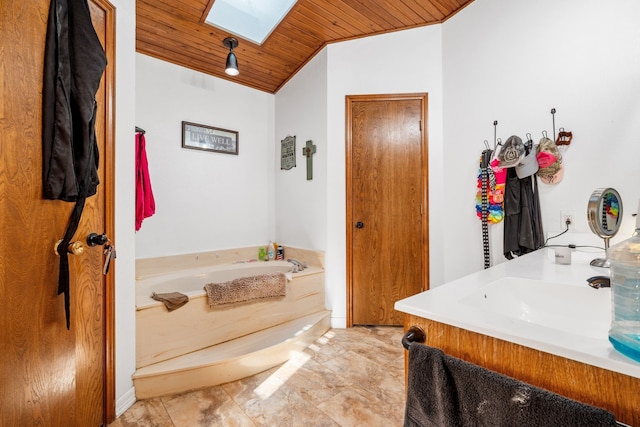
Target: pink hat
x,y
550,161
546,159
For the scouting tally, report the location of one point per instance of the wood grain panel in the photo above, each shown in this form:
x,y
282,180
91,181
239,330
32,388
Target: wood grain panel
x,y
193,9
347,17
422,9
49,375
174,31
371,11
386,190
31,317
109,157
615,392
182,11
330,28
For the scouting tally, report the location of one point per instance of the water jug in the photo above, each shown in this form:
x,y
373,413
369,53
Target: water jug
x,y
624,259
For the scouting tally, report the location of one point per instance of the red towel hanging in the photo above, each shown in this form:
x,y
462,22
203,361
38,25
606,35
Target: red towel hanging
x,y
145,203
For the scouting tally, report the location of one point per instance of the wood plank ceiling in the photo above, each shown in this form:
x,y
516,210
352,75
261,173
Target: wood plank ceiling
x,y
174,31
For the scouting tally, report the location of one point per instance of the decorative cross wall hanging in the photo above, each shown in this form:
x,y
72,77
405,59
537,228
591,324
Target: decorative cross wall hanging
x,y
308,151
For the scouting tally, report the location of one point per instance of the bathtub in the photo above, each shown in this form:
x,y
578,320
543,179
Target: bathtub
x,y
162,335
191,282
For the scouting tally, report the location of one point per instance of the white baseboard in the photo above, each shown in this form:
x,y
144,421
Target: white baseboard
x,y
339,322
125,401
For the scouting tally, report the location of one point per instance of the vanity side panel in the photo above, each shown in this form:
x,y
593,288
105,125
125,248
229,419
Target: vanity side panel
x,y
595,386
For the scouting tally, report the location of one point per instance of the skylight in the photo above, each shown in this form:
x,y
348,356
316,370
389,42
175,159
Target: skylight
x,y
250,19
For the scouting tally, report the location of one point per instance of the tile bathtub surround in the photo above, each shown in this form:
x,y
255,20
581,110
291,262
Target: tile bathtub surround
x,y
348,377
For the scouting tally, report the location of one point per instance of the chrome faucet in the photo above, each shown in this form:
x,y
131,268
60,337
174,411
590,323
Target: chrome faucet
x,y
297,265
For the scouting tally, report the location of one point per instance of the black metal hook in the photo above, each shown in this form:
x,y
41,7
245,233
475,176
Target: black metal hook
x,y
529,143
414,334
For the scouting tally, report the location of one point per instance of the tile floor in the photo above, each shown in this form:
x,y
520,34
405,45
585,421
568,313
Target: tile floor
x,y
348,377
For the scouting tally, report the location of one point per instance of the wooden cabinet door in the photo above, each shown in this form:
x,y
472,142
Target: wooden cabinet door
x,y
585,383
386,204
49,375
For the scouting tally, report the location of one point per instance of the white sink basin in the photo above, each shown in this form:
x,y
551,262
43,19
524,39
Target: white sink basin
x,y
533,302
578,310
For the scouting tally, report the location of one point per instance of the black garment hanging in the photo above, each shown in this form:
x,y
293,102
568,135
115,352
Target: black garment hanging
x,y
73,65
522,221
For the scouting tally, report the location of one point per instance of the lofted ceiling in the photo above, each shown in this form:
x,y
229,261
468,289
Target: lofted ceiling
x,y
174,31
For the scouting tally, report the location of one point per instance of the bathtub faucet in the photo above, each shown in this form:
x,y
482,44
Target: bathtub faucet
x,y
297,265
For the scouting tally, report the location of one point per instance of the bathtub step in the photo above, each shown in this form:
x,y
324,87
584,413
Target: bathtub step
x,y
231,360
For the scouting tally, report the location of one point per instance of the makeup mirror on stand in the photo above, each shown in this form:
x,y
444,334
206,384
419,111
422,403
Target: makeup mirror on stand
x,y
604,215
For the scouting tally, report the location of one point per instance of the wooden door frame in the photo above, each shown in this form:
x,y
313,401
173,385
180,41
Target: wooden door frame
x,y
423,98
109,209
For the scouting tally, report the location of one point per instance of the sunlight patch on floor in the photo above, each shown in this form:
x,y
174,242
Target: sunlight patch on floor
x,y
289,368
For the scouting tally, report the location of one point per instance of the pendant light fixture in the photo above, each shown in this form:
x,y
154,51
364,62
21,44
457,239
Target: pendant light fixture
x,y
232,63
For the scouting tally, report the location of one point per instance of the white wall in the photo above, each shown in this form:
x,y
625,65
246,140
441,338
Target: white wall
x,y
124,238
514,60
301,205
204,200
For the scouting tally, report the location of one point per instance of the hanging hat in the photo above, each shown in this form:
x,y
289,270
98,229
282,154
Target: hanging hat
x,y
549,161
528,166
512,152
555,178
546,159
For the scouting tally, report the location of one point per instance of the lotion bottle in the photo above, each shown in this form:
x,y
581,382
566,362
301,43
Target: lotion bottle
x,y
270,252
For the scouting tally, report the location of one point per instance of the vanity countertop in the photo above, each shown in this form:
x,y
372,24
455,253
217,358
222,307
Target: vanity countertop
x,y
533,302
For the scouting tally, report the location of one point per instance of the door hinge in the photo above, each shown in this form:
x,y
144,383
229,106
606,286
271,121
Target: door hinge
x,y
420,125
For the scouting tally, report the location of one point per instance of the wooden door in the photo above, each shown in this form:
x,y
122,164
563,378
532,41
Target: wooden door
x,y
386,205
50,376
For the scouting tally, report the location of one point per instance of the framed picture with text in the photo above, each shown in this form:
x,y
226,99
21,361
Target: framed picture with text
x,y
288,153
209,138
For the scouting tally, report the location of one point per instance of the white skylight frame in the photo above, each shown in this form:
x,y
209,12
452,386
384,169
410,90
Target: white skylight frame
x,y
253,20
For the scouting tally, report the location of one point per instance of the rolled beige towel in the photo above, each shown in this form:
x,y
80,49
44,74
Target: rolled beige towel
x,y
247,289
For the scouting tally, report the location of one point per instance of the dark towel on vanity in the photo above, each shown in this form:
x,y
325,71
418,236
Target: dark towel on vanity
x,y
444,391
171,300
